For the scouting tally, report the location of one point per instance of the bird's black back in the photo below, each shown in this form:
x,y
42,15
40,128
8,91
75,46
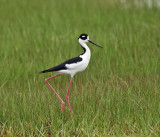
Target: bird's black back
x,y
63,65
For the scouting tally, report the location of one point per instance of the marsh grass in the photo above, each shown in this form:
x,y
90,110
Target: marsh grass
x,y
117,95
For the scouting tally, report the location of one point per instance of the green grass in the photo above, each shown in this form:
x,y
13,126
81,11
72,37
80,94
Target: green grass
x,y
117,95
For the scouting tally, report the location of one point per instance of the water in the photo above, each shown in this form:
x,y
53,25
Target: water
x,y
142,3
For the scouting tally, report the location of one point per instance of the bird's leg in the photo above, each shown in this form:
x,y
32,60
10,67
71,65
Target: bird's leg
x,y
46,80
67,97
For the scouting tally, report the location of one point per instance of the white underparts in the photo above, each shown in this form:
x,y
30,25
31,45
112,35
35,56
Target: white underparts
x,y
74,68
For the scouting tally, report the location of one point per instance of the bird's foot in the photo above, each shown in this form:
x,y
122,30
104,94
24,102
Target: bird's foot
x,y
71,114
63,104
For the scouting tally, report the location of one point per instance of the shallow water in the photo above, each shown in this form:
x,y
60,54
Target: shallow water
x,y
142,3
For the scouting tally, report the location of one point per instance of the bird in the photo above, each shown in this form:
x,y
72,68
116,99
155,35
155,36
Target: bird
x,y
72,67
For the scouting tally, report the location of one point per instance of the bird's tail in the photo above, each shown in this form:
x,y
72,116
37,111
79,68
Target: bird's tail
x,y
48,70
44,71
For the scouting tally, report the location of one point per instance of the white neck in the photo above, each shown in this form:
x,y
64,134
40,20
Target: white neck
x,y
87,53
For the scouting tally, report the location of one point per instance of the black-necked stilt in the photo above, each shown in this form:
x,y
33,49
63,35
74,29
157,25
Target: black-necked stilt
x,y
72,66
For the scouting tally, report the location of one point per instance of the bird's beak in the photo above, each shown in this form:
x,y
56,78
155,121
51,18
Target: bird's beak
x,y
94,43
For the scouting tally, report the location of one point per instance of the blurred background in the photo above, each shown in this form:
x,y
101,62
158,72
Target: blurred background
x,y
117,95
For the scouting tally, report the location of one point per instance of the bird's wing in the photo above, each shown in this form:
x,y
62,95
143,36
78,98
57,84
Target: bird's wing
x,y
55,68
65,65
71,63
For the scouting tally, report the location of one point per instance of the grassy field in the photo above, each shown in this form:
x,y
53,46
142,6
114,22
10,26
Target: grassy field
x,y
117,95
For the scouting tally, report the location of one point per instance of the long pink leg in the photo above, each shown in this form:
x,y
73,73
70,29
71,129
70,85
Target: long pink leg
x,y
46,80
67,97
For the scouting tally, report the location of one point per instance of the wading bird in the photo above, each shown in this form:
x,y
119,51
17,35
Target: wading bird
x,y
72,66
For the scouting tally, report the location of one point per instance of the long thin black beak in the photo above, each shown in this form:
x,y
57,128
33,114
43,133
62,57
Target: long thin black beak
x,y
94,43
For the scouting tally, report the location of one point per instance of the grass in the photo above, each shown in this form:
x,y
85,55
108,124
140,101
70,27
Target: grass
x,y
117,95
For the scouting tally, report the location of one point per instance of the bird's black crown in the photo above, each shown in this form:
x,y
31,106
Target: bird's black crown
x,y
83,36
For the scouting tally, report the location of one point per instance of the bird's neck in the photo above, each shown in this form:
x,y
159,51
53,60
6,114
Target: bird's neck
x,y
87,52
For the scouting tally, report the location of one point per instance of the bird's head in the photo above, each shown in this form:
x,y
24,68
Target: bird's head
x,y
83,38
